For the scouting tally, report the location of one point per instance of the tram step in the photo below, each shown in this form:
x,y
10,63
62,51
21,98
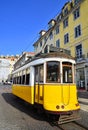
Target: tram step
x,y
68,118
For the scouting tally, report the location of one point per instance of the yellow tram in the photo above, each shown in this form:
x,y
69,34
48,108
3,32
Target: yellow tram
x,y
48,81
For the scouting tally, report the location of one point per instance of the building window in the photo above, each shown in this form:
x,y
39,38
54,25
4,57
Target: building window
x,y
40,43
76,1
76,13
66,11
50,25
35,48
65,23
46,49
51,35
80,78
77,31
58,43
45,39
59,17
79,51
57,29
66,38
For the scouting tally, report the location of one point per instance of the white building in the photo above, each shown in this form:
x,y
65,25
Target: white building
x,y
6,66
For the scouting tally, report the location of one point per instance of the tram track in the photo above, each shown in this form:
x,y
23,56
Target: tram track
x,y
72,126
81,126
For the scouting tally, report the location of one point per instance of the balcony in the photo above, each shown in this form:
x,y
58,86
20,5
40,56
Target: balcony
x,y
80,58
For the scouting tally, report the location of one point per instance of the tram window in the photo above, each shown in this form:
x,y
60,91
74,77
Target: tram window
x,y
53,68
39,74
67,73
23,79
27,79
20,80
17,80
14,80
36,74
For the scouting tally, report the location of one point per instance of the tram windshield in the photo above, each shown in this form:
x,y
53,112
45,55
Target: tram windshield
x,y
53,69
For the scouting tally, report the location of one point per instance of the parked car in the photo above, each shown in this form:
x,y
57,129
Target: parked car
x,y
7,83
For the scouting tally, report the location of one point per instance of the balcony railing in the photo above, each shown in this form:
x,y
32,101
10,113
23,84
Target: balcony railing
x,y
81,57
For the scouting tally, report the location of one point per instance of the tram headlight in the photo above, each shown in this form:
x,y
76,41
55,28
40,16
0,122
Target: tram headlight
x,y
62,106
58,107
77,104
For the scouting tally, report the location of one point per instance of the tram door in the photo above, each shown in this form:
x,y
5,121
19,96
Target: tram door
x,y
38,89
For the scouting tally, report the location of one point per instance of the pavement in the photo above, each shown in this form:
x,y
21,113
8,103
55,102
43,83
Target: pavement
x,y
83,99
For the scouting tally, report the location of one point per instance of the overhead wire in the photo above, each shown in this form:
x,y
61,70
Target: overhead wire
x,y
37,36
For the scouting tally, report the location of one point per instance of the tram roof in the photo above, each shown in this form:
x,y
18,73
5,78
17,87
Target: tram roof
x,y
51,55
56,54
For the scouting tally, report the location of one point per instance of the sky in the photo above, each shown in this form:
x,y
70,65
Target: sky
x,y
22,20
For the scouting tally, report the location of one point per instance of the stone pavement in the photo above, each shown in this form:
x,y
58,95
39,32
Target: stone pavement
x,y
83,100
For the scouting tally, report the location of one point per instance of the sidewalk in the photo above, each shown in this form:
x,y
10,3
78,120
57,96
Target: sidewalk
x,y
83,100
83,94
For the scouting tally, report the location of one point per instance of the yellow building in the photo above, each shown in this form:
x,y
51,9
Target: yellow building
x,y
69,30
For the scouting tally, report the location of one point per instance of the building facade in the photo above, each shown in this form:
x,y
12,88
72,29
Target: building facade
x,y
6,67
69,30
24,57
